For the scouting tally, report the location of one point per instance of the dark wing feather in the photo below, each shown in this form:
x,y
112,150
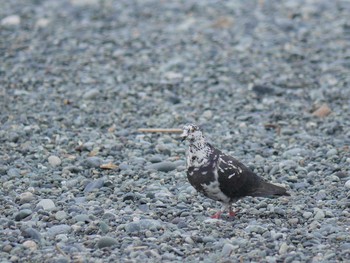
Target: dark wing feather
x,y
236,180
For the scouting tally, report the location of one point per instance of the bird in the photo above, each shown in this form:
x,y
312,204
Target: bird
x,y
221,177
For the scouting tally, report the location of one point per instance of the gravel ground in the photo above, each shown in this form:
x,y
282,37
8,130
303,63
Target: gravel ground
x,y
267,80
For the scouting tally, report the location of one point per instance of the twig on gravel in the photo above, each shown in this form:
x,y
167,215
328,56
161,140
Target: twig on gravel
x,y
162,130
60,250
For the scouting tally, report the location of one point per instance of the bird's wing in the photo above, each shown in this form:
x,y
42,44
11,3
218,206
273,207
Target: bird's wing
x,y
236,180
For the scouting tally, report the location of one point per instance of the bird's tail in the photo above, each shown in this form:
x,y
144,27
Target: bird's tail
x,y
269,190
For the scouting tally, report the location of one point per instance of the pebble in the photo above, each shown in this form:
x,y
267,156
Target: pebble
x,y
30,244
283,248
96,184
58,229
13,172
91,94
54,160
162,166
319,215
23,214
307,214
60,215
46,204
12,20
256,228
106,242
228,249
332,152
143,224
94,162
32,233
26,197
347,184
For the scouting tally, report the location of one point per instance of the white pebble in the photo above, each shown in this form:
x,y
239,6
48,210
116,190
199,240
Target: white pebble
x,y
30,244
46,204
12,20
347,184
42,22
54,160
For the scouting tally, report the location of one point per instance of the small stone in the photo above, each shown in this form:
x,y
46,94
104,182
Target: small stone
x,y
319,215
256,228
227,249
347,184
30,244
23,214
7,248
32,233
207,114
322,111
91,94
283,248
96,184
13,172
62,260
162,166
54,160
288,164
82,218
293,221
143,224
26,197
103,227
46,204
106,242
42,22
307,214
60,215
189,240
12,20
94,162
58,229
341,174
331,152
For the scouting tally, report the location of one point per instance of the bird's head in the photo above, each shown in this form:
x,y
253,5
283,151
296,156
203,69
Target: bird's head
x,y
191,133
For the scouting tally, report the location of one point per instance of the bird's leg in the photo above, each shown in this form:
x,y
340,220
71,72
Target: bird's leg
x,y
217,215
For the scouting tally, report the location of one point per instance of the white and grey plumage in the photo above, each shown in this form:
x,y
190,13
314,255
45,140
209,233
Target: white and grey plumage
x,y
220,176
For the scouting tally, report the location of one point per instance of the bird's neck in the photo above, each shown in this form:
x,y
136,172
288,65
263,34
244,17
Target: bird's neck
x,y
198,153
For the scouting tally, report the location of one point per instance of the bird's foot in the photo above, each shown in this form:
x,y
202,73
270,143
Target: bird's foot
x,y
231,214
217,215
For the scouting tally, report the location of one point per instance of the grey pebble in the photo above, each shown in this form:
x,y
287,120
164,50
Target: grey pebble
x,y
93,162
60,215
91,94
307,214
256,228
96,184
13,172
58,229
106,242
23,214
46,204
143,224
32,233
165,166
347,184
228,249
82,218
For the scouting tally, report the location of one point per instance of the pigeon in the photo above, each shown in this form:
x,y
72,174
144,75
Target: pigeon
x,y
220,176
